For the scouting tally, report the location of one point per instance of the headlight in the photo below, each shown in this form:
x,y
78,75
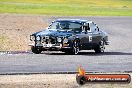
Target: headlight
x,y
32,38
38,38
59,39
65,40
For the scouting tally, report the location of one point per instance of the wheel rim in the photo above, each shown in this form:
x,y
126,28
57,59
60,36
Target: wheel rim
x,y
76,47
102,47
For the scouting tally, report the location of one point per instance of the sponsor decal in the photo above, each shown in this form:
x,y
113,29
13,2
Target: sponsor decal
x,y
83,78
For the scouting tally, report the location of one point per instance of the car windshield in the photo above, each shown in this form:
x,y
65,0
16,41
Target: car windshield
x,y
66,25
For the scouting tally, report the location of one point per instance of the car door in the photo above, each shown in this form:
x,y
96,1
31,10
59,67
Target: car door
x,y
86,35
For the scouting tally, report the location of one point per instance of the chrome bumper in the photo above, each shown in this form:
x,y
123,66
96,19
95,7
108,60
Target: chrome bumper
x,y
47,46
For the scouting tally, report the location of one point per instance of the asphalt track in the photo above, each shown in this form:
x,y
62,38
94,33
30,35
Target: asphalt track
x,y
117,56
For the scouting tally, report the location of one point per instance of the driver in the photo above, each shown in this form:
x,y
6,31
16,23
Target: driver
x,y
64,25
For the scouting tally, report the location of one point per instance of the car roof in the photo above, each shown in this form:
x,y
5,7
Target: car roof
x,y
74,20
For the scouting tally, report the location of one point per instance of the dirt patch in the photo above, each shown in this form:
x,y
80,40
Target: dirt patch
x,y
50,81
15,30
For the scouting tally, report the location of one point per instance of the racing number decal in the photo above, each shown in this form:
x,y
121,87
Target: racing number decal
x,y
90,38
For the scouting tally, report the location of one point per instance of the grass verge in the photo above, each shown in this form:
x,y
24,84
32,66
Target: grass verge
x,y
68,7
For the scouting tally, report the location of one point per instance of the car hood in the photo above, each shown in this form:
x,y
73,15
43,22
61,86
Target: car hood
x,y
54,32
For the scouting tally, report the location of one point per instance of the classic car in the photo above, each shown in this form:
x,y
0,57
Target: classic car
x,y
69,36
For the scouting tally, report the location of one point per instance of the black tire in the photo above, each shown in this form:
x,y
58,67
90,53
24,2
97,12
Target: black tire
x,y
36,50
81,80
100,48
74,50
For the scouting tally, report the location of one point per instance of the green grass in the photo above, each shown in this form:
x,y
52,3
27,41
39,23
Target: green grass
x,y
68,7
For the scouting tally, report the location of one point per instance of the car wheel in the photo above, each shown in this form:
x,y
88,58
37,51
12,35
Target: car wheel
x,y
100,48
36,50
75,48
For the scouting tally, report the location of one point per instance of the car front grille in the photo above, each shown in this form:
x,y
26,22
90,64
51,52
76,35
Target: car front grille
x,y
48,40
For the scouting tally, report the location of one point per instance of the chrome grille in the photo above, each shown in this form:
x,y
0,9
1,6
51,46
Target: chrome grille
x,y
49,40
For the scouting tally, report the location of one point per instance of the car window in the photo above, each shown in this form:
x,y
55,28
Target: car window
x,y
86,27
66,25
54,25
93,27
96,28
